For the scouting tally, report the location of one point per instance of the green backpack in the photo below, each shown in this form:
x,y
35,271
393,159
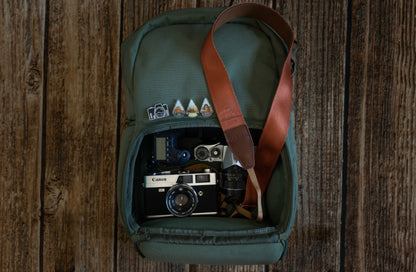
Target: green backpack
x,y
164,140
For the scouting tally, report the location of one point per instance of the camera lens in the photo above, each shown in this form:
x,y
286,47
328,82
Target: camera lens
x,y
233,182
216,152
202,153
183,156
181,200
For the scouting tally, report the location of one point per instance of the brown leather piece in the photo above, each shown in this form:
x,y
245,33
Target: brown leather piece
x,y
239,138
273,136
226,104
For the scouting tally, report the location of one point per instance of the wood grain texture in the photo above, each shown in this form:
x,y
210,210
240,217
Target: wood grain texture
x,y
319,82
21,100
81,136
381,192
226,3
61,112
228,268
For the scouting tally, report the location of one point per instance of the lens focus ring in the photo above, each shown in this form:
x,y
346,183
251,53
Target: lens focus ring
x,y
181,200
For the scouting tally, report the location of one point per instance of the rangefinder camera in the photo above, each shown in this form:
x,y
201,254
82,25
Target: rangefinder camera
x,y
216,153
180,194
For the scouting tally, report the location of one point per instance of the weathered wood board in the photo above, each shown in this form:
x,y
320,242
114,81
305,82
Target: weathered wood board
x,y
82,86
21,118
319,83
381,193
62,112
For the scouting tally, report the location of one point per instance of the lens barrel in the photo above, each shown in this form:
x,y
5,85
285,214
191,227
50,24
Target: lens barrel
x,y
181,200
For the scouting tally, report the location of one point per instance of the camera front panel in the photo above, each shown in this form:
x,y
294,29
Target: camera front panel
x,y
154,202
208,203
157,188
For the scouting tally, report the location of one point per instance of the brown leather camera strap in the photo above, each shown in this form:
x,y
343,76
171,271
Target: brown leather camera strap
x,y
237,134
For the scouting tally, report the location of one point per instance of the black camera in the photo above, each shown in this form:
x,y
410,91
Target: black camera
x,y
165,150
180,194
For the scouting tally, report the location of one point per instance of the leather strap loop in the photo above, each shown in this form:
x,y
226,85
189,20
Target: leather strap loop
x,y
229,112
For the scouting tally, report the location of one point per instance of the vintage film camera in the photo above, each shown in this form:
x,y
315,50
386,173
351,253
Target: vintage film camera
x,y
171,191
216,153
180,194
165,150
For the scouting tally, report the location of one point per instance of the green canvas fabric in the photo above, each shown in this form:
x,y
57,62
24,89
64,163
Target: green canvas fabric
x,y
214,254
160,64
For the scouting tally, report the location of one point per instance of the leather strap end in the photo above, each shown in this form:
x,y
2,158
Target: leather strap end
x,y
239,139
255,183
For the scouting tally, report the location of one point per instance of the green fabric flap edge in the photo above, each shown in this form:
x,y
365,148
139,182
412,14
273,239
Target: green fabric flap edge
x,y
207,237
179,245
214,254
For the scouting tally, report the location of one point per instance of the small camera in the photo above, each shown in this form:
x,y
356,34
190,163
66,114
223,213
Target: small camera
x,y
211,153
165,150
158,111
180,194
216,153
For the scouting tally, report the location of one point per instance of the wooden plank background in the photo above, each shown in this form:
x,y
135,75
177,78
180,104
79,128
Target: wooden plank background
x,y
62,112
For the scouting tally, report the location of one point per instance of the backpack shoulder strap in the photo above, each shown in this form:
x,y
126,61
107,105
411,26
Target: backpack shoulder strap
x,y
259,166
